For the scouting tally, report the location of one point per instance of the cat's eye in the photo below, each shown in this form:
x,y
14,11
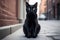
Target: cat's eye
x,y
28,8
33,8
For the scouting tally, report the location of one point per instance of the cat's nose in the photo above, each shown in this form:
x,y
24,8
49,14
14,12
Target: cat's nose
x,y
31,10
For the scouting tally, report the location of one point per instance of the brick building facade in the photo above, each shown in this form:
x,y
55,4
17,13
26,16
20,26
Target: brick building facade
x,y
8,12
50,7
43,6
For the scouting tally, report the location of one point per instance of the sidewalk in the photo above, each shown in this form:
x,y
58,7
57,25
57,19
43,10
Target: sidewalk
x,y
18,35
50,30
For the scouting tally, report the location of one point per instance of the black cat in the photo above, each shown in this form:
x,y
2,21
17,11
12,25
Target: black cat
x,y
31,27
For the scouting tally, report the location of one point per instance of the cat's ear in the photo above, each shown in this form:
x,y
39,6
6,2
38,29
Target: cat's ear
x,y
35,4
27,4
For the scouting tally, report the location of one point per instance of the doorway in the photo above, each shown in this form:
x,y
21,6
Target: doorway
x,y
58,11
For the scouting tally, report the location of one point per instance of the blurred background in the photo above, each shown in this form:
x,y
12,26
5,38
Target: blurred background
x,y
13,15
13,11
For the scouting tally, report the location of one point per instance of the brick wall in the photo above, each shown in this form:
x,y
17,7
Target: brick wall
x,y
43,6
8,13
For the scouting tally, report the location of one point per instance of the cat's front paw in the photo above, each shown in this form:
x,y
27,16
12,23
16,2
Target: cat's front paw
x,y
34,35
28,35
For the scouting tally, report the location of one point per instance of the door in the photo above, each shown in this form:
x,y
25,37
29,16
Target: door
x,y
58,11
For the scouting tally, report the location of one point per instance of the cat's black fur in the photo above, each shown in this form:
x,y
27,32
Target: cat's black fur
x,y
31,27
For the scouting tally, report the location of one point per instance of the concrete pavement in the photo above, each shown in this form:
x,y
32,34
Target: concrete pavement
x,y
50,30
18,35
50,27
